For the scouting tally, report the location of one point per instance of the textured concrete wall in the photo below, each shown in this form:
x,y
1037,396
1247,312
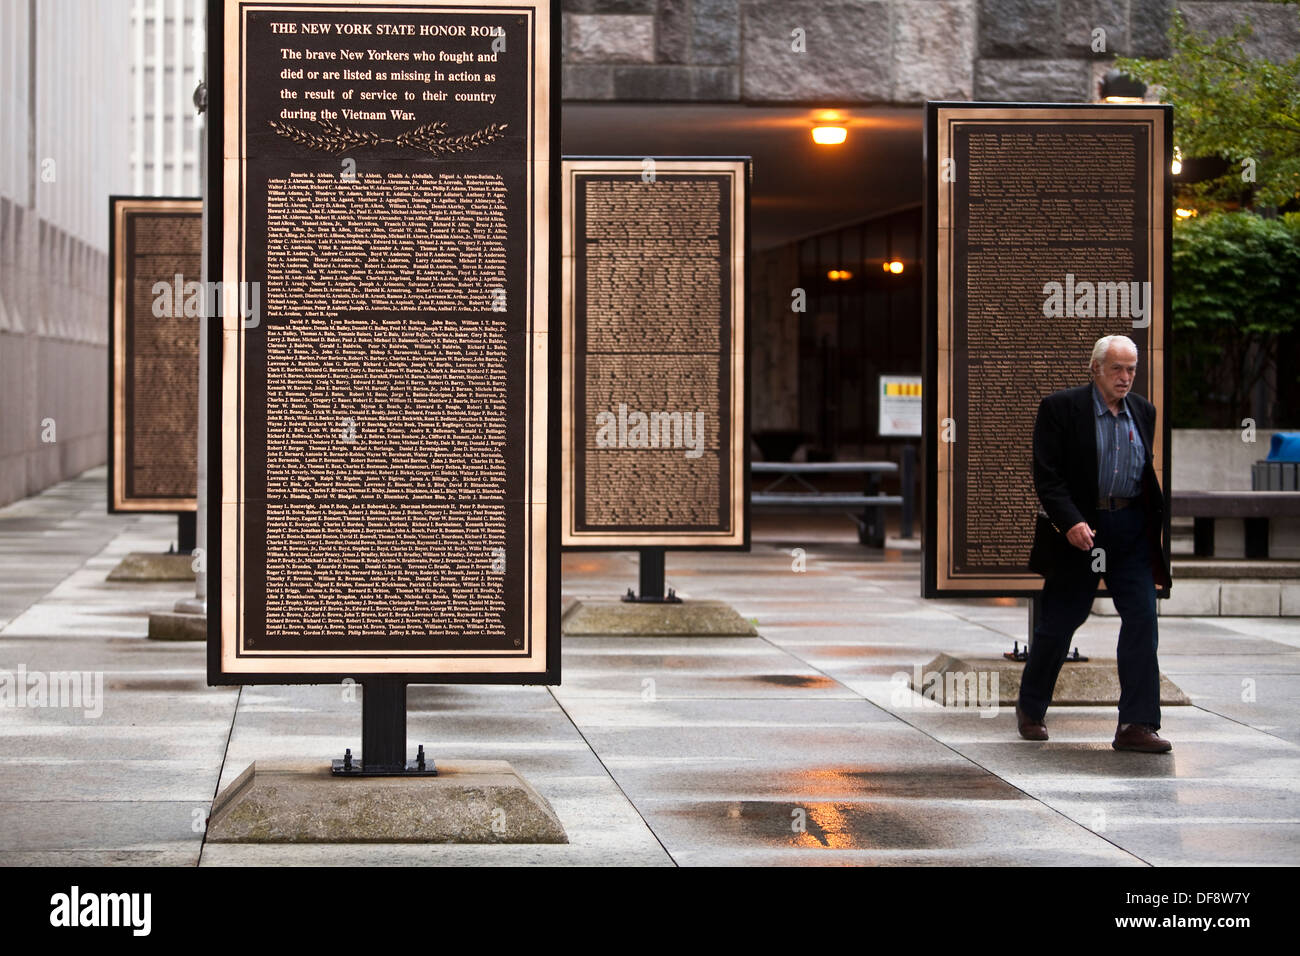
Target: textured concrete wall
x,y
64,148
61,384
877,51
1216,459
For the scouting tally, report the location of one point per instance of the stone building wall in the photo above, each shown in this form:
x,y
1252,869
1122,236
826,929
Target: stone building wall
x,y
898,52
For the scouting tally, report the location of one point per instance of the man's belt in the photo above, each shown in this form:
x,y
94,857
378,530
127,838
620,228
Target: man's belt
x,y
1115,504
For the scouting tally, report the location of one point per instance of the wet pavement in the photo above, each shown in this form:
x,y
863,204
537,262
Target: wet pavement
x,y
801,746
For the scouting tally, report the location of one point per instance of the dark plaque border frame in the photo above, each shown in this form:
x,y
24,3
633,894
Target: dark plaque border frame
x,y
548,179
119,502
1031,584
632,540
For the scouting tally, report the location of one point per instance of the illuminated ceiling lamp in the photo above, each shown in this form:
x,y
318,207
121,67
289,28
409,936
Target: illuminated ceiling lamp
x,y
829,135
1176,167
829,128
893,265
1118,87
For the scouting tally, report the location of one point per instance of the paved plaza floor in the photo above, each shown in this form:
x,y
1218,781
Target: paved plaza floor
x,y
794,747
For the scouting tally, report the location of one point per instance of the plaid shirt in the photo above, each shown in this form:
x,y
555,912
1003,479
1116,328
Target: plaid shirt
x,y
1119,461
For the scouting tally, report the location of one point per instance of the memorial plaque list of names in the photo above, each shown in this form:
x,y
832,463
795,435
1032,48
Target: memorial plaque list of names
x,y
157,350
652,329
386,484
1050,250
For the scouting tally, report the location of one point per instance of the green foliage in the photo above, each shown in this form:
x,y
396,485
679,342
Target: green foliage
x,y
1236,296
1230,105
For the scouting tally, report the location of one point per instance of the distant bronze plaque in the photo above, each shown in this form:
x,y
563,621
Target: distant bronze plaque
x,y
385,443
1048,228
655,432
155,250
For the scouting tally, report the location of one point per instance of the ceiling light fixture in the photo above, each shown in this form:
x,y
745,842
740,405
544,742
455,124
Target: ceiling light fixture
x,y
829,135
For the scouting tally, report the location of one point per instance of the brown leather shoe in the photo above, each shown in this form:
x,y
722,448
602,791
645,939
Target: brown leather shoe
x,y
1030,729
1142,738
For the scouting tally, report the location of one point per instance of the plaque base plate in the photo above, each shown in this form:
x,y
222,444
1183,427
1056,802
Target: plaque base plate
x,y
470,801
1094,682
348,767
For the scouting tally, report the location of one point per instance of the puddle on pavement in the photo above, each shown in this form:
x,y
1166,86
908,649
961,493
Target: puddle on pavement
x,y
801,681
168,686
860,650
829,825
956,781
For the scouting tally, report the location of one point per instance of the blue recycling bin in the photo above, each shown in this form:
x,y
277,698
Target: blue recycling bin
x,y
1280,471
1285,447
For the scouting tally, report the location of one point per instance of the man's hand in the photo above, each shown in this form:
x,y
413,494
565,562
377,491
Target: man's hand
x,y
1080,536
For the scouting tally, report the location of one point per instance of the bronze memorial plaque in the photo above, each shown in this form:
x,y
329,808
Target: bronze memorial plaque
x,y
155,306
1048,228
655,449
384,173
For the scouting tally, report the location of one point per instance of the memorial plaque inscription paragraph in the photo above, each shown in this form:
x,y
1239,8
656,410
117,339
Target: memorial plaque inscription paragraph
x,y
392,197
1052,244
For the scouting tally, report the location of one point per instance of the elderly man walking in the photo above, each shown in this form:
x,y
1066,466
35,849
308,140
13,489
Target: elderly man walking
x,y
1101,516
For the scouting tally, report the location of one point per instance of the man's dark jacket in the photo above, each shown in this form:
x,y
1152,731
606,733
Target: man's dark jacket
x,y
1065,477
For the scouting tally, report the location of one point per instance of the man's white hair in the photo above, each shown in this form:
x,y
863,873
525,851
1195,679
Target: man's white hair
x,y
1104,345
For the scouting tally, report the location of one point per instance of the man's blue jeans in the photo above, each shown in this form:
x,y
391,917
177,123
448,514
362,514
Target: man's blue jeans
x,y
1066,601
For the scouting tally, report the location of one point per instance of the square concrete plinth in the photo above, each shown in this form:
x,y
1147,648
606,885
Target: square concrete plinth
x,y
1083,683
174,626
470,801
142,566
635,619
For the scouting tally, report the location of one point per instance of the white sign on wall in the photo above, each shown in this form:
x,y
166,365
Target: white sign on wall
x,y
900,405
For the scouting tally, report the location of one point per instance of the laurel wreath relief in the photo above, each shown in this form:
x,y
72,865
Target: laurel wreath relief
x,y
429,138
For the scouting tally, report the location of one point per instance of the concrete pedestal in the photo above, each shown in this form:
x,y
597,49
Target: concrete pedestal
x,y
1093,682
470,801
143,566
173,626
634,619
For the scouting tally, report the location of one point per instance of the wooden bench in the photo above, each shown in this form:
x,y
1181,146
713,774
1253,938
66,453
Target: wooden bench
x,y
1254,508
871,524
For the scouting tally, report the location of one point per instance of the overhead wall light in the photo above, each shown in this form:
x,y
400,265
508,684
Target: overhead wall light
x,y
829,135
893,265
1119,87
839,275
